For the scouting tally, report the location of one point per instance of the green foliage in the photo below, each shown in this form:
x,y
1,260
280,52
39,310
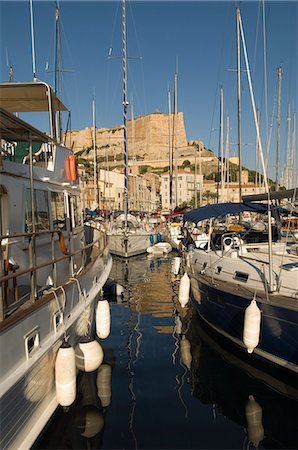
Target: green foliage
x,y
144,169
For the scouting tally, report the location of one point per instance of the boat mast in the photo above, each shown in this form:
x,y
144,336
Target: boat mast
x,y
278,127
227,161
271,285
132,152
175,135
239,100
293,158
94,154
125,105
32,41
288,182
170,154
221,146
58,71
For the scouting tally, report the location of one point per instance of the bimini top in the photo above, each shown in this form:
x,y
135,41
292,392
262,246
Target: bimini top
x,y
223,209
34,96
13,128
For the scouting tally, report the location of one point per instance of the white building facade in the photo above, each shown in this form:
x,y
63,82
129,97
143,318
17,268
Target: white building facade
x,y
184,185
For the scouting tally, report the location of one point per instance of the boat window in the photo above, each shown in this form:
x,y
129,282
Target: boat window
x,y
241,276
203,269
290,266
58,210
41,211
31,342
77,216
218,270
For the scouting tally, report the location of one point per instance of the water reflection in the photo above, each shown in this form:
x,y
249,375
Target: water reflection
x,y
263,405
165,383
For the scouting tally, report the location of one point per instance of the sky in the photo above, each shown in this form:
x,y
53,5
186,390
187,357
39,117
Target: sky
x,y
197,39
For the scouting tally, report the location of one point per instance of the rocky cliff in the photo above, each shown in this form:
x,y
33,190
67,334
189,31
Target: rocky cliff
x,y
149,139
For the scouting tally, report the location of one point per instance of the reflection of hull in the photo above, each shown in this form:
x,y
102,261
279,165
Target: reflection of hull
x,y
81,427
264,406
28,397
129,271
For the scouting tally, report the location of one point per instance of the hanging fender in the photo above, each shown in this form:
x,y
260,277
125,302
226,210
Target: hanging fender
x,y
73,167
70,166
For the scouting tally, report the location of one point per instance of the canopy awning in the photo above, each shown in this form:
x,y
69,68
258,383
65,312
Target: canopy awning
x,y
275,195
222,209
32,96
13,128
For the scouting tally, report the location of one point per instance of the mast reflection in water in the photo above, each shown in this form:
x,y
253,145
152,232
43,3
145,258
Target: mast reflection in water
x,y
166,383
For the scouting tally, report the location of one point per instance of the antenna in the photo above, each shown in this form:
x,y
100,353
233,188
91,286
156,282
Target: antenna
x,y
9,65
32,41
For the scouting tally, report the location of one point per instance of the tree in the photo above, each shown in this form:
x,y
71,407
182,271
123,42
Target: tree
x,y
208,195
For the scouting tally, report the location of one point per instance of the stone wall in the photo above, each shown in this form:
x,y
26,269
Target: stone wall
x,y
148,138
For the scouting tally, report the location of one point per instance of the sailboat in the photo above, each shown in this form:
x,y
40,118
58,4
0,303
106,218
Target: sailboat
x,y
128,235
247,293
52,267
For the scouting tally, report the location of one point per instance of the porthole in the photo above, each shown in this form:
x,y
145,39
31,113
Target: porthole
x,y
31,342
241,276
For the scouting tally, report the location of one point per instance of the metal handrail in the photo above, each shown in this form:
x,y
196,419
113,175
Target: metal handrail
x,y
53,261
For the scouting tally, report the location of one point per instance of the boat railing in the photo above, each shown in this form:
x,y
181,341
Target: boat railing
x,y
11,294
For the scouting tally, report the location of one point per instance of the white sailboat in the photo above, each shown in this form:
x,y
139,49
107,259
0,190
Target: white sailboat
x,y
248,293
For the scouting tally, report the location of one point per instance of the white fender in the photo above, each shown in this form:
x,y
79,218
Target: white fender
x,y
255,429
185,352
251,327
104,377
119,290
89,355
178,325
176,265
184,288
65,375
103,319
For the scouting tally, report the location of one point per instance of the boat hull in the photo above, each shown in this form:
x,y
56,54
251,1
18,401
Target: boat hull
x,y
130,244
28,397
223,310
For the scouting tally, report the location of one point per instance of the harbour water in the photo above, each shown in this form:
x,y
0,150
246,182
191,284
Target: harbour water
x,y
167,383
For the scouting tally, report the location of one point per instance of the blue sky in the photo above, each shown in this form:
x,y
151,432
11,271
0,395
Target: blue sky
x,y
199,35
